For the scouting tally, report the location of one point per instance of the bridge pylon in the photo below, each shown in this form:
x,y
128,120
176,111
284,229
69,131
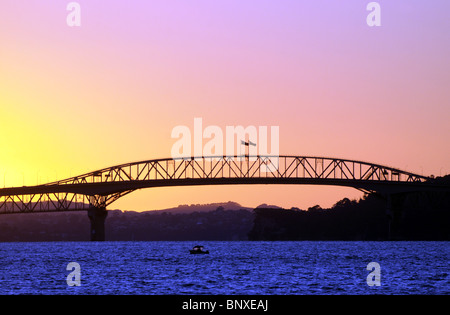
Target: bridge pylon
x,y
97,216
395,211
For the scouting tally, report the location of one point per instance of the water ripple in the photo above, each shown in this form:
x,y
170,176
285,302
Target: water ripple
x,y
230,268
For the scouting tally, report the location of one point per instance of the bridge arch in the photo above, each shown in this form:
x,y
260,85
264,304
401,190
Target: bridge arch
x,y
95,191
102,187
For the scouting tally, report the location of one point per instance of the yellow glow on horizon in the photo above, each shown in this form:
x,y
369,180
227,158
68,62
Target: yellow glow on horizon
x,y
74,100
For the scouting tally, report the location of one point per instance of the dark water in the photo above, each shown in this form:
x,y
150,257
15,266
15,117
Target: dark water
x,y
230,268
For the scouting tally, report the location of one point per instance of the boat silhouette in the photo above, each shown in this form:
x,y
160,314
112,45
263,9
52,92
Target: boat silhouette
x,y
198,250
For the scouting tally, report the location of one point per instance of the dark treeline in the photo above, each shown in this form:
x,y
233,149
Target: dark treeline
x,y
346,220
422,217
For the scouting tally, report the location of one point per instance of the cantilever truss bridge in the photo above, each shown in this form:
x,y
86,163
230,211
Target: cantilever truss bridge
x,y
98,189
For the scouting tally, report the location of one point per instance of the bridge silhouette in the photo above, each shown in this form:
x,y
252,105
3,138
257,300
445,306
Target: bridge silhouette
x,y
96,190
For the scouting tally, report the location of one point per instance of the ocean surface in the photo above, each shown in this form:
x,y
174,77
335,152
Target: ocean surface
x,y
231,268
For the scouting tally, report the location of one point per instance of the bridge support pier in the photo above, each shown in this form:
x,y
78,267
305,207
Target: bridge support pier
x,y
97,217
395,212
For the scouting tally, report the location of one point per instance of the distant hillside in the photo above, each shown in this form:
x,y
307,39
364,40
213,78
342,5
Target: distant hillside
x,y
218,224
217,221
230,205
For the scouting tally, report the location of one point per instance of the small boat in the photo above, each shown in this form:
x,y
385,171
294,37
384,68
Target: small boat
x,y
198,250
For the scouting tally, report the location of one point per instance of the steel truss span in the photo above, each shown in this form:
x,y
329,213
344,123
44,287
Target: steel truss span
x,y
100,188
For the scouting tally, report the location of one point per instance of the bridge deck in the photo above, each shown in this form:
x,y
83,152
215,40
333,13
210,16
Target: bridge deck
x,y
102,187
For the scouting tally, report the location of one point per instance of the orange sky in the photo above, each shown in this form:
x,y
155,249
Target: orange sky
x,y
76,99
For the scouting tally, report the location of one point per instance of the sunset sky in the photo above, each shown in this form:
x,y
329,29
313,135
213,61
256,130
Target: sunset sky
x,y
76,99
